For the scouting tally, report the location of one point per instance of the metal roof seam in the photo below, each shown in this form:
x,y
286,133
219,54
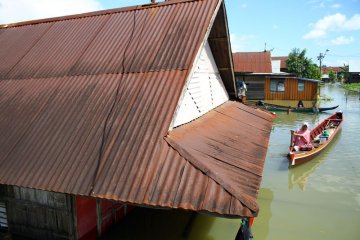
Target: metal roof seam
x,y
245,122
30,48
257,115
89,44
117,92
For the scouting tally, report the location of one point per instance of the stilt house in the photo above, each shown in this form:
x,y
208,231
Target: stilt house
x,y
104,111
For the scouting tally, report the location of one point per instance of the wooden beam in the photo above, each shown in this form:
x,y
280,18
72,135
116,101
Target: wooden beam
x,y
224,69
218,39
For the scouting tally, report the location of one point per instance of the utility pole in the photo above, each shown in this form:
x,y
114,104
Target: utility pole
x,y
320,58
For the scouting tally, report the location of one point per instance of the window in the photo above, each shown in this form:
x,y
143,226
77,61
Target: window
x,y
301,86
3,218
277,85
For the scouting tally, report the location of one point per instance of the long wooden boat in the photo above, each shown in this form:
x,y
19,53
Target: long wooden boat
x,y
275,108
332,124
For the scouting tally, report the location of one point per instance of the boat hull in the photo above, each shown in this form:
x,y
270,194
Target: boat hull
x,y
300,110
297,158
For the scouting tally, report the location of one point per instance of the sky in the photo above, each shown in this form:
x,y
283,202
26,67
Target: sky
x,y
254,25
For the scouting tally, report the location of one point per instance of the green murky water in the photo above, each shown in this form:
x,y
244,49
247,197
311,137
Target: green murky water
x,y
320,199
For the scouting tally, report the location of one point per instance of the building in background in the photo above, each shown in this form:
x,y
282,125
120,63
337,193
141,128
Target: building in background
x,y
126,107
337,71
265,81
283,64
354,72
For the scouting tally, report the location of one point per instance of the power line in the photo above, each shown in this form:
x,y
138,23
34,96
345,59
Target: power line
x,y
343,56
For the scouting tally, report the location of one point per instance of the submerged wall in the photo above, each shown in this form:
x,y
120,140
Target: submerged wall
x,y
39,214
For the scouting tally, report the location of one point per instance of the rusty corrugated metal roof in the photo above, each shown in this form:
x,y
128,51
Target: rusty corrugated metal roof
x,y
87,100
326,70
214,145
254,62
282,59
96,44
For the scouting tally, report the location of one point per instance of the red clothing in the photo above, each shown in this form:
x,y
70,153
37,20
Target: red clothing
x,y
303,139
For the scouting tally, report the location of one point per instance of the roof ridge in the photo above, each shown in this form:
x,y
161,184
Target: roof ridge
x,y
96,13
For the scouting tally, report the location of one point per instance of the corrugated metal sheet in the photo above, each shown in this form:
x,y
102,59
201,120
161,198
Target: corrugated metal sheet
x,y
213,144
86,102
51,128
154,39
255,62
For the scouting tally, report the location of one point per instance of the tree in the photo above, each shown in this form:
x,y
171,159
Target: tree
x,y
344,73
332,76
302,66
312,72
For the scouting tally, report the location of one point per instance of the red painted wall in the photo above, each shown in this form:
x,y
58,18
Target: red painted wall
x,y
86,217
111,213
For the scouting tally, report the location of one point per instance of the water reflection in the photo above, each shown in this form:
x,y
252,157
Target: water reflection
x,y
299,175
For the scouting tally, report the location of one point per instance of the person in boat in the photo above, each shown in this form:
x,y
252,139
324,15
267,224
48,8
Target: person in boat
x,y
300,104
315,106
301,137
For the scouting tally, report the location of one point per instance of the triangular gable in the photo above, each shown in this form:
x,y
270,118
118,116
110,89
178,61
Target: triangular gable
x,y
204,89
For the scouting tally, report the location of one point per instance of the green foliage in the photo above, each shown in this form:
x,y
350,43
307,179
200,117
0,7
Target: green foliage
x,y
332,76
312,72
355,87
344,73
302,66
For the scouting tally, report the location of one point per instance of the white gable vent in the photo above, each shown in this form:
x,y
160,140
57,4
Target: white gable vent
x,y
204,90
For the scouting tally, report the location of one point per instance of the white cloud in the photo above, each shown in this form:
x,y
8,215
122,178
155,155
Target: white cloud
x,y
243,5
275,26
335,22
341,40
240,43
22,10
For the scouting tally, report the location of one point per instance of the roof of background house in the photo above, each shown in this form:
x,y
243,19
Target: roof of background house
x,y
282,59
254,62
87,101
326,70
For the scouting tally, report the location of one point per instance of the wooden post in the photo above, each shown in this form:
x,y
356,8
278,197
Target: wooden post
x,y
98,217
292,136
74,211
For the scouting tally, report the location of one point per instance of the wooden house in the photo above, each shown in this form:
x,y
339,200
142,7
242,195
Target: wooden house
x,y
125,107
282,60
255,69
354,72
354,77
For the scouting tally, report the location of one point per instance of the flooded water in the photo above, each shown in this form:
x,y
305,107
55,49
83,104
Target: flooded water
x,y
319,199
